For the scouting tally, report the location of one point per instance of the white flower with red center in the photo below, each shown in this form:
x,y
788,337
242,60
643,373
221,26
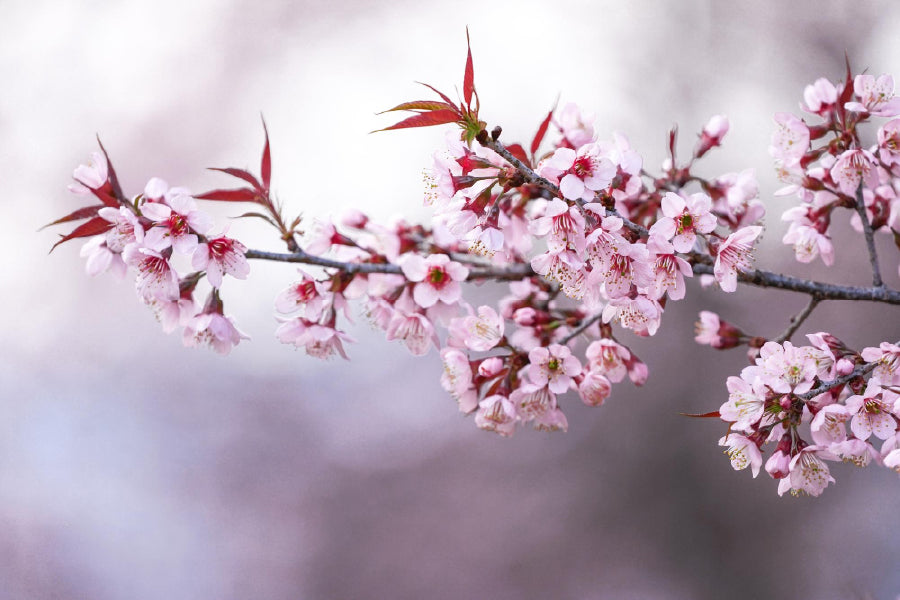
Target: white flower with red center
x,y
306,293
498,414
220,256
457,379
414,330
156,279
126,228
175,224
580,174
436,277
872,413
479,332
790,141
594,387
553,366
742,452
808,472
683,219
887,372
214,330
852,167
876,96
746,403
669,270
319,341
563,224
640,314
735,254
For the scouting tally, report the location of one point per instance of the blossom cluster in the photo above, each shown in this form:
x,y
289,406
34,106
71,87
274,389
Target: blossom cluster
x,y
586,248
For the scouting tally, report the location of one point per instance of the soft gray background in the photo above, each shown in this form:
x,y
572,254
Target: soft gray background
x,y
131,467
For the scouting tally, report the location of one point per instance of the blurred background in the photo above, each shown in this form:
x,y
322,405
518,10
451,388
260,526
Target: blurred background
x,y
133,467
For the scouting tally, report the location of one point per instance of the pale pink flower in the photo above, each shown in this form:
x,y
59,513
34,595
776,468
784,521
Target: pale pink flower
x,y
790,141
715,332
551,420
892,460
594,387
872,413
414,330
580,174
220,256
91,176
742,452
855,451
683,219
808,473
669,270
126,227
479,332
876,96
553,366
577,127
173,313
214,330
320,341
827,426
491,367
745,406
563,267
156,279
532,401
640,314
889,142
308,294
498,414
101,259
563,224
887,372
787,368
629,265
852,167
175,224
456,379
713,132
609,358
733,255
809,243
820,97
779,465
437,278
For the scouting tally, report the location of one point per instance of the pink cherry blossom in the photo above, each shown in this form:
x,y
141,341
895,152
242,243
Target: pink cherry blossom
x,y
683,219
319,341
479,332
214,330
852,167
580,174
414,330
876,96
563,224
872,413
220,256
668,269
91,176
790,141
498,414
820,97
887,372
735,254
742,452
828,427
176,224
156,279
609,358
745,406
126,228
437,278
553,366
594,387
808,472
576,126
640,314
457,379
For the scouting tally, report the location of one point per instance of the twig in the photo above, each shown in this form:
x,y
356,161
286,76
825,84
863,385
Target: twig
x,y
870,237
825,291
581,328
857,372
797,320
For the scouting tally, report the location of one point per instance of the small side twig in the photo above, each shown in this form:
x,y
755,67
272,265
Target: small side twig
x,y
857,372
870,237
581,328
798,319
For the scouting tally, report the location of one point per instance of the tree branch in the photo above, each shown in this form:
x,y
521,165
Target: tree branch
x,y
581,328
797,320
858,371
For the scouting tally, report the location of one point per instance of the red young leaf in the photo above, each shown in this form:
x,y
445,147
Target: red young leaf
x,y
441,94
240,174
469,77
710,415
241,195
265,168
539,136
421,105
81,213
112,178
435,117
847,92
519,152
92,227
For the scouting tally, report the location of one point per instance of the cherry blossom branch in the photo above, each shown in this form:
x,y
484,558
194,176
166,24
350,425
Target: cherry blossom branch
x,y
533,177
857,372
825,291
509,273
798,319
585,324
870,237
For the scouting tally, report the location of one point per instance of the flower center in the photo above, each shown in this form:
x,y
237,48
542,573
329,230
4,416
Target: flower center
x,y
583,167
437,277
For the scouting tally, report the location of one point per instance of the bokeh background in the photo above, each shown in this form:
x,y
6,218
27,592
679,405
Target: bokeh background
x,y
131,467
